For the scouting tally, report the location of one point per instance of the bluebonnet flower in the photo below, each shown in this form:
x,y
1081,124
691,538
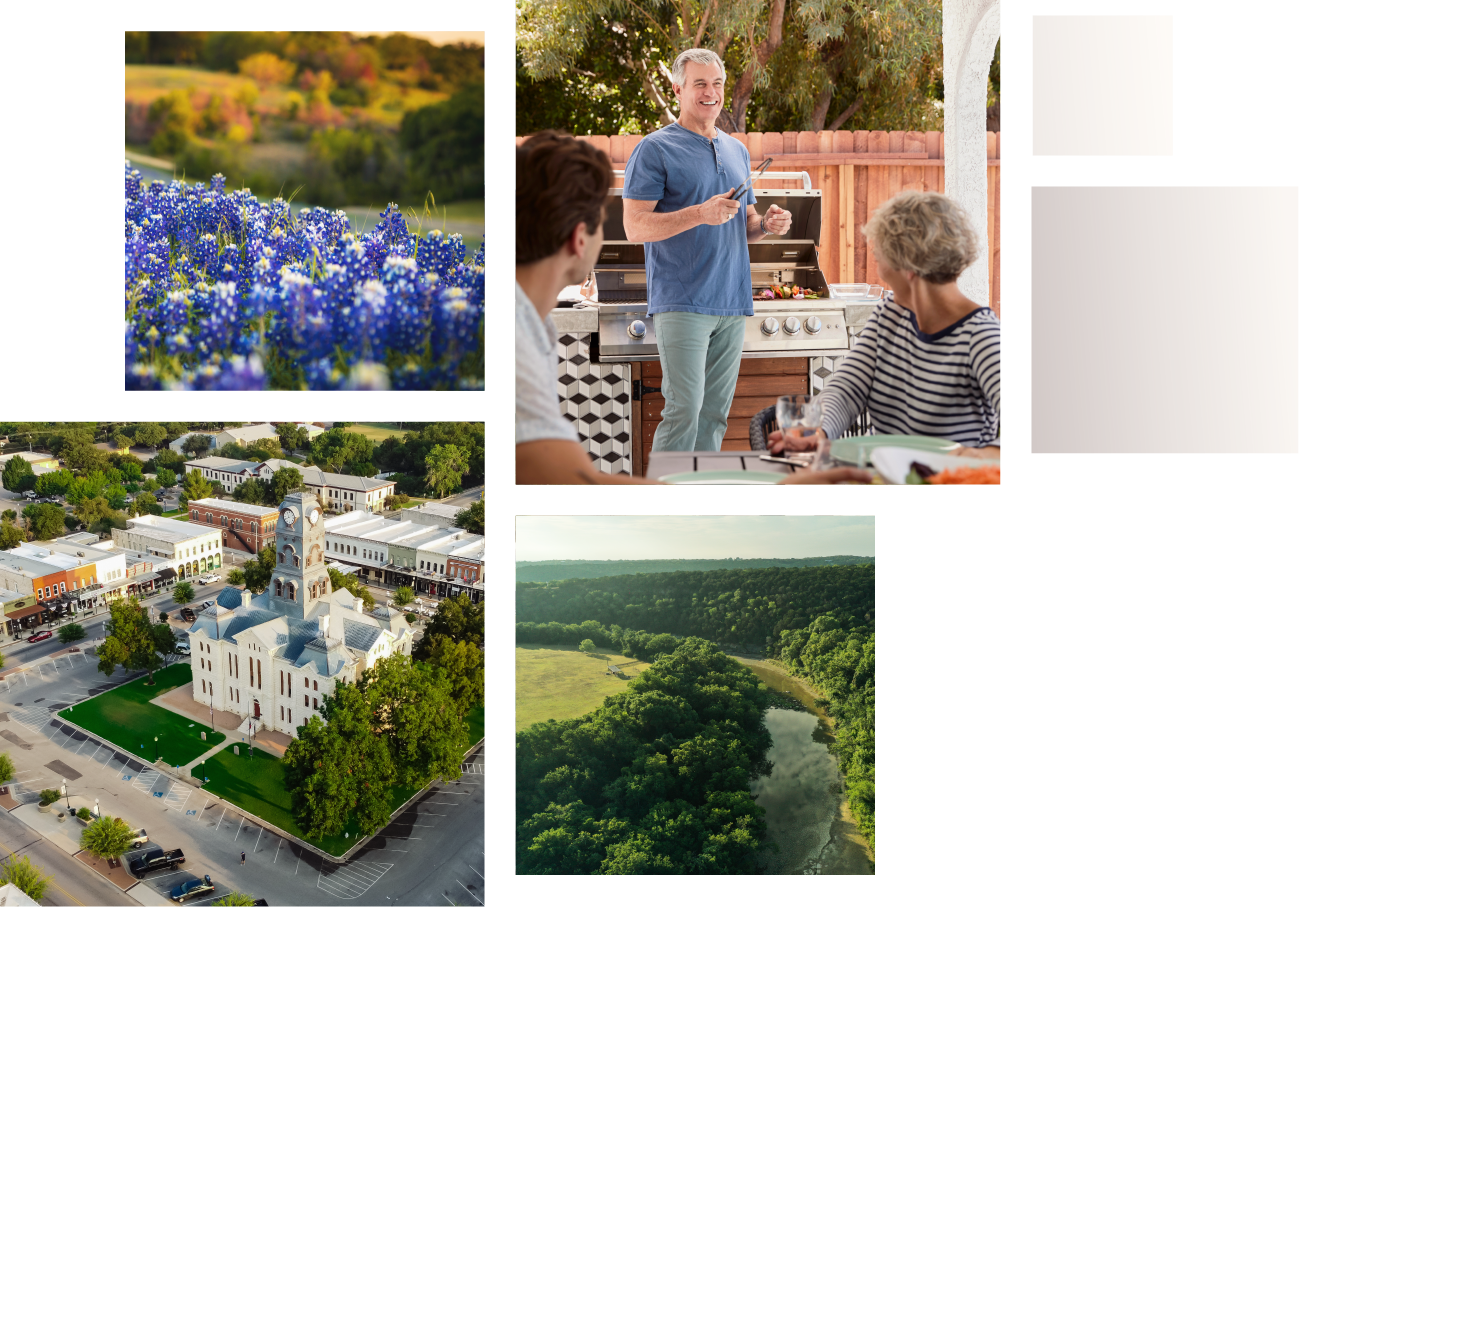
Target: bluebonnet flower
x,y
214,279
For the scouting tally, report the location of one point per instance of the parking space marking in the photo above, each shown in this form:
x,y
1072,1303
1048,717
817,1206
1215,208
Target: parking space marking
x,y
259,837
352,882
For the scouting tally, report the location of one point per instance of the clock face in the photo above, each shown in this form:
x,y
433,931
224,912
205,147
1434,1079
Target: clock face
x,y
288,517
315,515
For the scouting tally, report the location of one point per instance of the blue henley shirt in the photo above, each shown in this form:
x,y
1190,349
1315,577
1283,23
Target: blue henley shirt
x,y
705,270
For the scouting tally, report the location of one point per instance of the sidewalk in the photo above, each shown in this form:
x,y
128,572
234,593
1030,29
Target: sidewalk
x,y
67,835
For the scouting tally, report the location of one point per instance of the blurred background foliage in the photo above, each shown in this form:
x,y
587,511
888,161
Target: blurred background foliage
x,y
341,119
601,66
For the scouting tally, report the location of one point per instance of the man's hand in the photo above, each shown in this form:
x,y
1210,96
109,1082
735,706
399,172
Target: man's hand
x,y
776,221
777,441
717,209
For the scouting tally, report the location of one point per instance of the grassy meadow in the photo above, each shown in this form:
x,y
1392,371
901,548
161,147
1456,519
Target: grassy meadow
x,y
557,683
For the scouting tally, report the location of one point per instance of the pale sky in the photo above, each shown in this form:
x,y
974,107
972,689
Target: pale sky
x,y
438,38
697,537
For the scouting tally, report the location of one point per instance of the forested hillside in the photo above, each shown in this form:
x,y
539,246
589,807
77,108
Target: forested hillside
x,y
744,607
657,781
545,571
839,664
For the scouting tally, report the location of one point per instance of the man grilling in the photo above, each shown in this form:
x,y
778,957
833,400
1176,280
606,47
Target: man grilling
x,y
687,202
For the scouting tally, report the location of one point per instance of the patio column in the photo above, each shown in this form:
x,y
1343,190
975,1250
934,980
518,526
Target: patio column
x,y
970,30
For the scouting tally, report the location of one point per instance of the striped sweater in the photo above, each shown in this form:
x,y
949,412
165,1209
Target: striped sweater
x,y
947,384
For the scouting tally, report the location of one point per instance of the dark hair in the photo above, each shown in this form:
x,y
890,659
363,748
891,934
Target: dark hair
x,y
560,182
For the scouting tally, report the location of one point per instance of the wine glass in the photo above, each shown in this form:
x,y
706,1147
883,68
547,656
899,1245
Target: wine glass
x,y
799,416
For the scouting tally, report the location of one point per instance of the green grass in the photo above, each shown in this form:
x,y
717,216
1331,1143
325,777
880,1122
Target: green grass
x,y
125,717
475,722
555,683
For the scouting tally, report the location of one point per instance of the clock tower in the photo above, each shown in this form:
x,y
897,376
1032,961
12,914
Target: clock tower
x,y
300,576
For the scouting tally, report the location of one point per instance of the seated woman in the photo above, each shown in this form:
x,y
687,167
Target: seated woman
x,y
928,362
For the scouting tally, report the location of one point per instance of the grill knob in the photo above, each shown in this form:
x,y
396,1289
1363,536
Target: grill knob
x,y
770,325
636,329
792,324
813,324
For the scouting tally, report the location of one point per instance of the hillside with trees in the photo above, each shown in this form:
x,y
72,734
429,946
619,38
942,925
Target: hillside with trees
x,y
550,571
728,607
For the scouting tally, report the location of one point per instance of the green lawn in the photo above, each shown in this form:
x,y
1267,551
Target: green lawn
x,y
125,717
557,683
475,722
257,783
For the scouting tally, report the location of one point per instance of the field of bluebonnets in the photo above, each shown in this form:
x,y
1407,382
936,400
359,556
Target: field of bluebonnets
x,y
224,291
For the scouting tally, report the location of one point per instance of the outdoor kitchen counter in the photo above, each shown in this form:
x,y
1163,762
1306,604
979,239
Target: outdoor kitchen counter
x,y
616,406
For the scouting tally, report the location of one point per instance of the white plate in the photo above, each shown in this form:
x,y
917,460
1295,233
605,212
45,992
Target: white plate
x,y
722,478
892,462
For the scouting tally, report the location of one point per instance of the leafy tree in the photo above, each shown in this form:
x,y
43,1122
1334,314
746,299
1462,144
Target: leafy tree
x,y
352,583
44,521
18,476
11,534
587,646
149,434
403,595
107,836
196,445
166,477
197,486
83,457
253,491
7,768
340,770
414,711
183,592
461,664
18,871
131,642
458,618
472,518
48,795
233,900
444,466
71,633
166,458
235,577
97,515
291,437
444,144
286,481
256,572
56,483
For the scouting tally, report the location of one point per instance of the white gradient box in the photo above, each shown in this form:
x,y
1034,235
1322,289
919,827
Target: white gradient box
x,y
1101,86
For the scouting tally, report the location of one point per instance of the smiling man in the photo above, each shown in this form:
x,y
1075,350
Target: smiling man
x,y
686,201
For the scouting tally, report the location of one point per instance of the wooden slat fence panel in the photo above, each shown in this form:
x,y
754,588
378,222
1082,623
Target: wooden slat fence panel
x,y
857,170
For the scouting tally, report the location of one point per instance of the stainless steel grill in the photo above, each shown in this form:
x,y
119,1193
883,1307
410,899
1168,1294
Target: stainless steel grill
x,y
781,328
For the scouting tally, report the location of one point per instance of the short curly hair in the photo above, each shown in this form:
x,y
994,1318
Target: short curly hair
x,y
925,233
560,182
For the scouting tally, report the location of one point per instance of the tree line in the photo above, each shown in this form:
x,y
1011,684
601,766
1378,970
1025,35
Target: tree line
x,y
838,663
746,607
656,781
548,571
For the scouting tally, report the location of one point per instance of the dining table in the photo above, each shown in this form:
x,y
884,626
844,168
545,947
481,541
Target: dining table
x,y
664,463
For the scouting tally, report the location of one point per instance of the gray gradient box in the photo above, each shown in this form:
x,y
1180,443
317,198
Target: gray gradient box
x,y
1101,86
1165,320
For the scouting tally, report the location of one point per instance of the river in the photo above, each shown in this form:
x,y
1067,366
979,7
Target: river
x,y
809,828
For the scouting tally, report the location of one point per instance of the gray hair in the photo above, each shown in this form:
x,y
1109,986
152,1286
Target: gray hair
x,y
925,233
696,55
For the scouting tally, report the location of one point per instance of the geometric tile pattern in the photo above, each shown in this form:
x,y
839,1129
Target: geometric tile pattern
x,y
598,400
819,369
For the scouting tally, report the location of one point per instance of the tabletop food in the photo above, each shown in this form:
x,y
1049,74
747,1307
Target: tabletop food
x,y
921,475
787,292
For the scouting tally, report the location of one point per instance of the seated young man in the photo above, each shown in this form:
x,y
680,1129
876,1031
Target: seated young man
x,y
561,192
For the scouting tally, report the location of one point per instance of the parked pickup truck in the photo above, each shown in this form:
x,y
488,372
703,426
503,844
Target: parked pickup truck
x,y
154,859
195,887
187,614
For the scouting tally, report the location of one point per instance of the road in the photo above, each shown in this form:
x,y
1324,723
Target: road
x,y
72,884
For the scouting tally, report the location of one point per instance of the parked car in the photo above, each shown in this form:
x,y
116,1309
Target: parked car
x,y
181,645
208,602
140,837
28,495
148,860
39,636
187,614
209,579
195,887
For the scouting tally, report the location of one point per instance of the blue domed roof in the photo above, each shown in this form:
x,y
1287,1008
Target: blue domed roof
x,y
229,597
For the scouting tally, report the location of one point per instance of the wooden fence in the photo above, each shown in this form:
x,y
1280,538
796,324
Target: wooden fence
x,y
857,171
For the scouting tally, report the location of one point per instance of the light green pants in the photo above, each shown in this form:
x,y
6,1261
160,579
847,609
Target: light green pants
x,y
700,356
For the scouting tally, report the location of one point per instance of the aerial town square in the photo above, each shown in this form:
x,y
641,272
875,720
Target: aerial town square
x,y
243,664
